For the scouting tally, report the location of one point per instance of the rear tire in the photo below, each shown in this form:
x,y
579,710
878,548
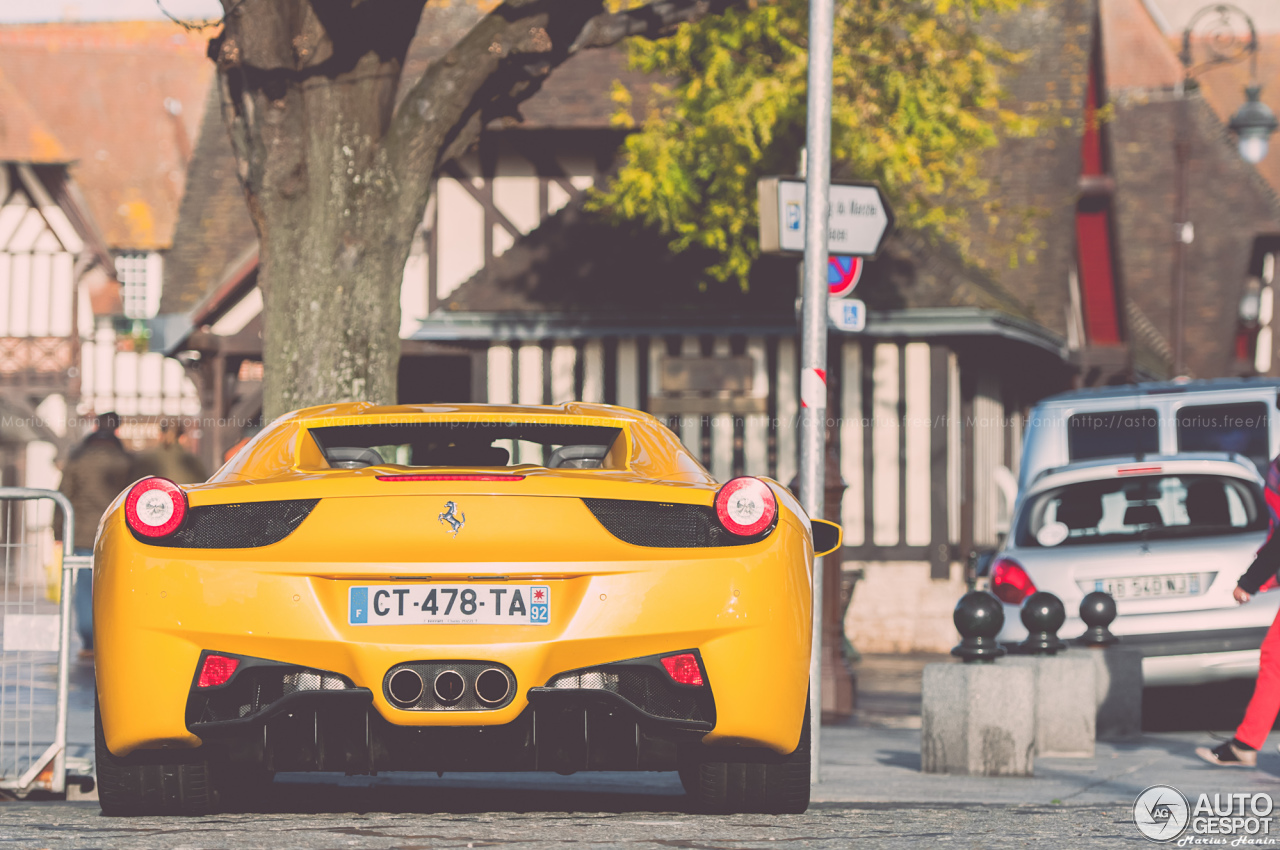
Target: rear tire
x,y
771,786
131,785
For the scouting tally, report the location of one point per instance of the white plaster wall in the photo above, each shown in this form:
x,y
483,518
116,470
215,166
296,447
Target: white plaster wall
x,y
897,607
461,236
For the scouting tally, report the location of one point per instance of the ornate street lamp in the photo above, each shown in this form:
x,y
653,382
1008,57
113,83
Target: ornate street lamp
x,y
1253,125
1224,34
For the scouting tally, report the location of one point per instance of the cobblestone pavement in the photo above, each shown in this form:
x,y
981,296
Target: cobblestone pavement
x,y
537,820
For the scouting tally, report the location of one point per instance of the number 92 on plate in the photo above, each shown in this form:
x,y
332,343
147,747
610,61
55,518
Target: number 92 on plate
x,y
449,604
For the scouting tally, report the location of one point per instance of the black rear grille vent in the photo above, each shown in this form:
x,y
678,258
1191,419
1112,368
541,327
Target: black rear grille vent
x,y
663,525
645,688
241,526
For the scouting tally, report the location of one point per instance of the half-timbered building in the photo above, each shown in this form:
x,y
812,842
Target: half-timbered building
x,y
97,119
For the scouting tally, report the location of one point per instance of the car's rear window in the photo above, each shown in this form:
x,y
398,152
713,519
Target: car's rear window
x,y
1145,507
470,443
1239,428
1113,433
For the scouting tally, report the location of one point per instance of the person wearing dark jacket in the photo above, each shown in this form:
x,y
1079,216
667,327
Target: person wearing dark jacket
x,y
98,469
1264,705
170,459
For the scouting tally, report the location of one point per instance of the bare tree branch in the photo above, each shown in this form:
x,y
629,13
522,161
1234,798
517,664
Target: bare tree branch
x,y
655,20
502,62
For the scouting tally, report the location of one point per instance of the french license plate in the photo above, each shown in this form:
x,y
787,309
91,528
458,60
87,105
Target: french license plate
x,y
1150,587
449,604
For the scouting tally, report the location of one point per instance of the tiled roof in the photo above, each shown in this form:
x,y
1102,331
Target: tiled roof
x,y
1228,204
577,94
1136,54
24,137
1032,177
109,92
214,229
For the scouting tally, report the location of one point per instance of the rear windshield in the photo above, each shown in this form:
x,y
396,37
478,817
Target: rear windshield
x,y
1239,428
453,444
1147,507
1113,433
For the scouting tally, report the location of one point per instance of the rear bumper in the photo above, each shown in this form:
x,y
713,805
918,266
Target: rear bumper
x,y
262,690
560,731
332,726
1187,657
1197,643
1200,669
746,611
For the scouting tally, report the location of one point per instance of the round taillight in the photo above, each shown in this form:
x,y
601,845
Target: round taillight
x,y
1010,582
155,507
746,507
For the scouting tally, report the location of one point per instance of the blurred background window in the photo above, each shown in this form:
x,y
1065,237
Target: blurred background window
x,y
140,274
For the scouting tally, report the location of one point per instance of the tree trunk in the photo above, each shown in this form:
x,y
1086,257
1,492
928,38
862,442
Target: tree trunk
x,y
337,178
306,123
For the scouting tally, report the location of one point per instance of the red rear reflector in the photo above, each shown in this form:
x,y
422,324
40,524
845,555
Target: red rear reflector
x,y
1010,582
216,671
684,669
1137,470
450,477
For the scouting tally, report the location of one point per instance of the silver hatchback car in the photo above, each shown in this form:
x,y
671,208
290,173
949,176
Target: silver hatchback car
x,y
1168,537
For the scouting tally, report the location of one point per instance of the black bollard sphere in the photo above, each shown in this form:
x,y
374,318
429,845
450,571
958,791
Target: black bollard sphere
x,y
1097,610
979,617
1043,614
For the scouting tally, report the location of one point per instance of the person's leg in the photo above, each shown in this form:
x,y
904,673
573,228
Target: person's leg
x,y
84,603
1260,716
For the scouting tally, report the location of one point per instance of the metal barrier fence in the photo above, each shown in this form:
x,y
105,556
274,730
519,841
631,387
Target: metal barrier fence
x,y
36,636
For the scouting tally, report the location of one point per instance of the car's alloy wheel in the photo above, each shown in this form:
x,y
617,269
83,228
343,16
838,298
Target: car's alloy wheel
x,y
776,786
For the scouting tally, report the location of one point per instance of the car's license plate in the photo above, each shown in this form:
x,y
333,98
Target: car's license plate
x,y
1149,587
449,604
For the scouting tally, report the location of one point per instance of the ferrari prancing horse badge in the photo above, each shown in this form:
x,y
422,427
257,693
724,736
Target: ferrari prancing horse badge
x,y
454,517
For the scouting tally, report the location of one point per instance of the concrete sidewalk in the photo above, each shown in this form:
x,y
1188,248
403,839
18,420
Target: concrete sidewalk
x,y
863,765
876,757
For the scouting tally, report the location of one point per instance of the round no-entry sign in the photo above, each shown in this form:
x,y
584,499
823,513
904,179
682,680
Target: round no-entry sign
x,y
843,273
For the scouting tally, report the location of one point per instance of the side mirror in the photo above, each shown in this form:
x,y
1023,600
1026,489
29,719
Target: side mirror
x,y
827,537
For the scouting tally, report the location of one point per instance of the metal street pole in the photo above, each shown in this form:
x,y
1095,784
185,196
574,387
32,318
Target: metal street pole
x,y
813,326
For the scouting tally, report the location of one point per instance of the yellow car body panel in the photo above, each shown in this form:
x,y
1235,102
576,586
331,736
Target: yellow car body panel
x,y
745,608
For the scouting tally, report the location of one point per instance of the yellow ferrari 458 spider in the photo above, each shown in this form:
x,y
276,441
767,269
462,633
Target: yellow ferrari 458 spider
x,y
454,588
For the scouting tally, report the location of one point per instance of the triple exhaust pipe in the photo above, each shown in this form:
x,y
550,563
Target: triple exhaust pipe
x,y
406,686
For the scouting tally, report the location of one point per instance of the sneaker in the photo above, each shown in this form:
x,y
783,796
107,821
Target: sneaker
x,y
1229,755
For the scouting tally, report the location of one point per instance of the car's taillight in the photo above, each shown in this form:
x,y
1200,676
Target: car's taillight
x,y
1010,582
746,506
683,668
155,507
216,670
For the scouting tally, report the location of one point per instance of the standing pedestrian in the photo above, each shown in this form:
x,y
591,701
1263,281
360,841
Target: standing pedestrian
x,y
171,459
1264,705
98,469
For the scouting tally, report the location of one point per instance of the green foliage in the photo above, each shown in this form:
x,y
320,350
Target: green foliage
x,y
917,101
